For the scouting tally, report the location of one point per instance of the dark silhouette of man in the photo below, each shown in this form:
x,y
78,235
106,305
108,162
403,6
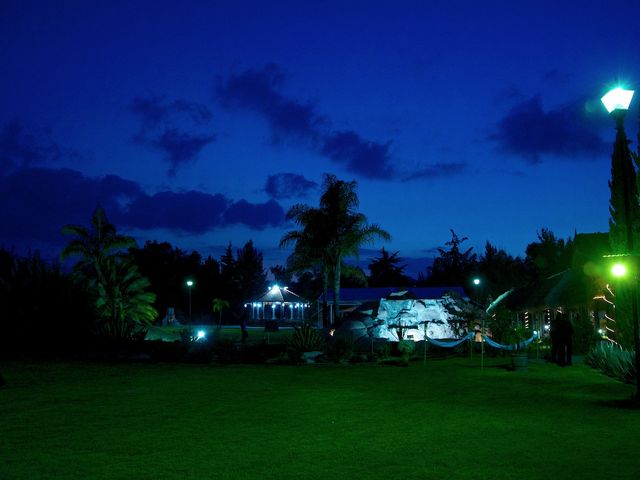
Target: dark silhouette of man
x,y
565,340
553,333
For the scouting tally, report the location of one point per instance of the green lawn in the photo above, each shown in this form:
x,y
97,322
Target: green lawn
x,y
449,420
256,335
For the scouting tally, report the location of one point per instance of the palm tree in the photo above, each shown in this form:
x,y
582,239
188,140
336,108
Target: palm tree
x,y
93,245
331,232
218,306
121,299
309,246
347,229
123,302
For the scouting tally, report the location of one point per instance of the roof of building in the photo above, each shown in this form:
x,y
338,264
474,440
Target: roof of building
x,y
357,295
277,294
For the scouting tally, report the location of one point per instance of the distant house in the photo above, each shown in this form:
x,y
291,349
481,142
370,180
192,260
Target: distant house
x,y
581,291
278,303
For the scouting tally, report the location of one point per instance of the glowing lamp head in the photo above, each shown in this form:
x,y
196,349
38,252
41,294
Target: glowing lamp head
x,y
275,288
617,99
476,281
189,283
619,270
201,334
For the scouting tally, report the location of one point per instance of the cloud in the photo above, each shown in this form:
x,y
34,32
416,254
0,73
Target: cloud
x,y
259,91
257,215
20,148
37,202
155,110
438,170
368,159
180,147
159,119
288,185
567,131
190,212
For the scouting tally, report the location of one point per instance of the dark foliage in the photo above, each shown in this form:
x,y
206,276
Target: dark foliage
x,y
453,266
386,271
44,311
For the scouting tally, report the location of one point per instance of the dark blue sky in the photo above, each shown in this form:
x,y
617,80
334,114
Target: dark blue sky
x,y
201,123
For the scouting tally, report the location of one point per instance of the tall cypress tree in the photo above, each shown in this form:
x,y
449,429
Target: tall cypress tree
x,y
624,222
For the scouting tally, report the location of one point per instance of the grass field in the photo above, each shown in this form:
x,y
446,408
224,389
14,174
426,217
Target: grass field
x,y
256,335
448,420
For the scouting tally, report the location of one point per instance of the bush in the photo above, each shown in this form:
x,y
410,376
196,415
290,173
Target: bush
x,y
305,339
406,348
339,350
613,361
381,350
271,326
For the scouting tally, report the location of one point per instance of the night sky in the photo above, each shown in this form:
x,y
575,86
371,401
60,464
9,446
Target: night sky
x,y
201,123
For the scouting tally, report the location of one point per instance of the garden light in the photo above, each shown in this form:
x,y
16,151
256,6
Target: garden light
x,y
476,281
201,334
619,270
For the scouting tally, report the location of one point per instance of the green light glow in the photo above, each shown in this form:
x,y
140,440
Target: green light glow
x,y
617,99
189,283
476,281
619,270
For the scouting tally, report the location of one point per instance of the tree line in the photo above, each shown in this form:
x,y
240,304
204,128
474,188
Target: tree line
x,y
116,287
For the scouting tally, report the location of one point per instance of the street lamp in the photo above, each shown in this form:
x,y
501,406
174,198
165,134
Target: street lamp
x,y
476,283
189,285
617,103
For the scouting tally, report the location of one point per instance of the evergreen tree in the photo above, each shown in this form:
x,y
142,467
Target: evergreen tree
x,y
549,255
250,272
386,271
624,225
281,274
453,266
499,272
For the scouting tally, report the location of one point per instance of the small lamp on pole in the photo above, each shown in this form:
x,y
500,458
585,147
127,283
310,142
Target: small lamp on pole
x,y
189,285
476,283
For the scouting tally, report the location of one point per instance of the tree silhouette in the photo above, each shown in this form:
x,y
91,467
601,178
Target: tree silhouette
x,y
453,266
386,271
331,232
121,299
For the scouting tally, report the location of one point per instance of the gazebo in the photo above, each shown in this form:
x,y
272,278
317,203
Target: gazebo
x,y
278,303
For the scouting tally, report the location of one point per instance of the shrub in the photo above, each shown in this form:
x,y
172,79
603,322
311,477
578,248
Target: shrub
x,y
381,350
406,348
613,361
271,326
225,351
339,350
305,339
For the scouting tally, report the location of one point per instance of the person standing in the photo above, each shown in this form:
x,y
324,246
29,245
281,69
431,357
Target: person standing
x,y
565,340
553,333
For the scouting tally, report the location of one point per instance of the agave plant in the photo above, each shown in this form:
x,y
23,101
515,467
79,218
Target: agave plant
x,y
305,338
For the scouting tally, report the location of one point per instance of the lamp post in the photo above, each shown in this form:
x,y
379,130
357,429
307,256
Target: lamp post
x,y
476,284
189,285
617,103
